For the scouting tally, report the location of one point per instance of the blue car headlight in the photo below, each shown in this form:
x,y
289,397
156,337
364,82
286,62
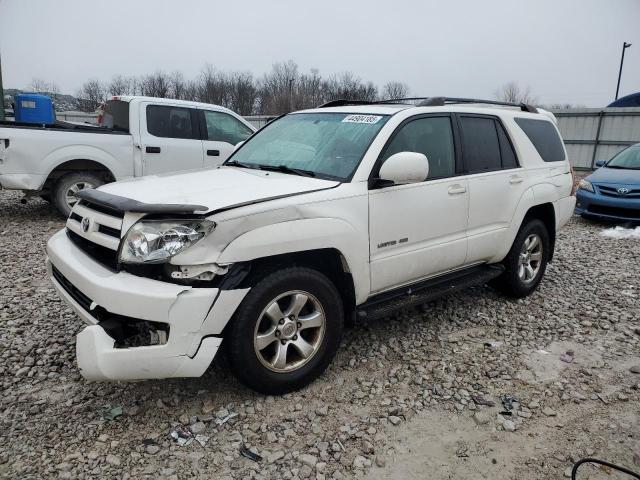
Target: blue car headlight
x,y
586,185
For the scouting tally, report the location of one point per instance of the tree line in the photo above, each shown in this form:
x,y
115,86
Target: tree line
x,y
283,89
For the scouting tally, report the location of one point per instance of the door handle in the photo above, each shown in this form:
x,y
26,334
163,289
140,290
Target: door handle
x,y
516,179
456,189
213,153
152,149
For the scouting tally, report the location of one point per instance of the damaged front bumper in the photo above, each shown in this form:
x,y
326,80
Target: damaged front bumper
x,y
194,317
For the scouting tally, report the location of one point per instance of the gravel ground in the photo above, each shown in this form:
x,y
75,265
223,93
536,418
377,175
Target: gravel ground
x,y
403,399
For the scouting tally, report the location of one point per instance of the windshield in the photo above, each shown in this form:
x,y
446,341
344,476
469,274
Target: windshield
x,y
628,158
116,115
325,145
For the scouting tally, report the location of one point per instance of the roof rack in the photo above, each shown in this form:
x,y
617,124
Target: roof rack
x,y
430,102
440,101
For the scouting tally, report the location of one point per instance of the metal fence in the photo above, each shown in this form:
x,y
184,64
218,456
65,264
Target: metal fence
x,y
592,134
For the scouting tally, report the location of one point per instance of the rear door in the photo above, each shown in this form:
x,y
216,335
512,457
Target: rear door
x,y
221,133
170,138
496,183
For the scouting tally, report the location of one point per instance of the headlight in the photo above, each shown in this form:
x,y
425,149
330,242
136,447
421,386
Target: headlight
x,y
157,241
585,185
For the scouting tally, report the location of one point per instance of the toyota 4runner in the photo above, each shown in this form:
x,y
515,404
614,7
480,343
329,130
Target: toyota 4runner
x,y
349,210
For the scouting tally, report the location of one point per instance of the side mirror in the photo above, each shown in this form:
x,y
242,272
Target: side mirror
x,y
600,163
237,146
405,167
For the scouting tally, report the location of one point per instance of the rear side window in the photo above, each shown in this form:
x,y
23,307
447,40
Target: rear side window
x,y
506,149
169,122
544,137
480,144
116,115
222,127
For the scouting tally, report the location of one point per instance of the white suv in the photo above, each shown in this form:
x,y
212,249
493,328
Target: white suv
x,y
348,210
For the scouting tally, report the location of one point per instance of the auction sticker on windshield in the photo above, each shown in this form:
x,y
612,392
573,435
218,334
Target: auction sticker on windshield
x,y
361,119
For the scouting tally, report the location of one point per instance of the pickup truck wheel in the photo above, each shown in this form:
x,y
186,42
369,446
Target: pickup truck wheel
x,y
526,262
65,189
286,331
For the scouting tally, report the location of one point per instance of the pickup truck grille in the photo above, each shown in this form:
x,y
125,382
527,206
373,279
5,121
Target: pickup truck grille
x,y
96,230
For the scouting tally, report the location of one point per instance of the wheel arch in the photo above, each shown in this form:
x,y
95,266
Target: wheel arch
x,y
328,261
79,165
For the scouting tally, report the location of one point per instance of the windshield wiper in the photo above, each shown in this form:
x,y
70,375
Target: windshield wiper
x,y
234,163
286,169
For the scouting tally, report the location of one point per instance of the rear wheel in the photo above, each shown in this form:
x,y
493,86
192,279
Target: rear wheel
x,y
65,189
527,260
286,331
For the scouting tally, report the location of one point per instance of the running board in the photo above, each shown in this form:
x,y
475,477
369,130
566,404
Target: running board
x,y
385,303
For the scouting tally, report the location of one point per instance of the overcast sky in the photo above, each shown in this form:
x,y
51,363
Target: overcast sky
x,y
565,50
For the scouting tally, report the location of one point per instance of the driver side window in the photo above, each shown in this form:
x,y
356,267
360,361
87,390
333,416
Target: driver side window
x,y
432,136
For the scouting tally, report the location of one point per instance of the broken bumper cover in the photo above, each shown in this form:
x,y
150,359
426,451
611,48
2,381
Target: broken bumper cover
x,y
194,316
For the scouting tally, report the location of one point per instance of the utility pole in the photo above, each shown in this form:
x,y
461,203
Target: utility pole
x,y
1,94
625,45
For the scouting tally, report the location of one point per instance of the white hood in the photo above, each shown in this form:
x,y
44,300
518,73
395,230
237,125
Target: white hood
x,y
216,188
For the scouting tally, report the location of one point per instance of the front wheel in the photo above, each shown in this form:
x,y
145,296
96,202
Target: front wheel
x,y
526,262
65,189
286,331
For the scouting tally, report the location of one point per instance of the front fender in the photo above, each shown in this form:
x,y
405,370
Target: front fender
x,y
306,234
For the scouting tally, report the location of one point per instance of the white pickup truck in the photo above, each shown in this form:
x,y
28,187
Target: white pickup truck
x,y
137,136
323,215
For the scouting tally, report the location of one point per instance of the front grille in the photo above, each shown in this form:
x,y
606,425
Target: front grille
x,y
114,232
102,209
84,301
612,191
103,255
615,211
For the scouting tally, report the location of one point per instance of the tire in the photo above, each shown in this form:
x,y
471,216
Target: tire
x,y
512,282
259,365
62,193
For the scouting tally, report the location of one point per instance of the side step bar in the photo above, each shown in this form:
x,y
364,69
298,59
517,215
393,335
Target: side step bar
x,y
385,303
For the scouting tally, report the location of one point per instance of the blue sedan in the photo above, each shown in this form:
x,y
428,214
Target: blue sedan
x,y
613,191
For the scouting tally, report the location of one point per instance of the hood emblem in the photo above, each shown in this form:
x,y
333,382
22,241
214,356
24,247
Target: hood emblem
x,y
85,224
623,190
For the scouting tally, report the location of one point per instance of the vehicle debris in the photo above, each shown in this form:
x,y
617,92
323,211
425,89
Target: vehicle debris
x,y
221,421
110,412
182,435
507,403
245,452
479,400
202,439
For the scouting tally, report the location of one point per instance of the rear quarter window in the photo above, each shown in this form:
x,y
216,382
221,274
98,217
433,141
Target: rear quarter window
x,y
116,115
544,137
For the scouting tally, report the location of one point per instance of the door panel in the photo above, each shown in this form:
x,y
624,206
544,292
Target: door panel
x,y
493,198
169,139
417,231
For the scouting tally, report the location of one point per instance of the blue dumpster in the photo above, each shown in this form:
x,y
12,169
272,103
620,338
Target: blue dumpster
x,y
34,108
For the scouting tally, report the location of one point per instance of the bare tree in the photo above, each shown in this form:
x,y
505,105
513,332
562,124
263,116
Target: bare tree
x,y
155,85
347,86
277,90
177,86
212,86
242,92
392,90
120,85
38,85
514,93
91,95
